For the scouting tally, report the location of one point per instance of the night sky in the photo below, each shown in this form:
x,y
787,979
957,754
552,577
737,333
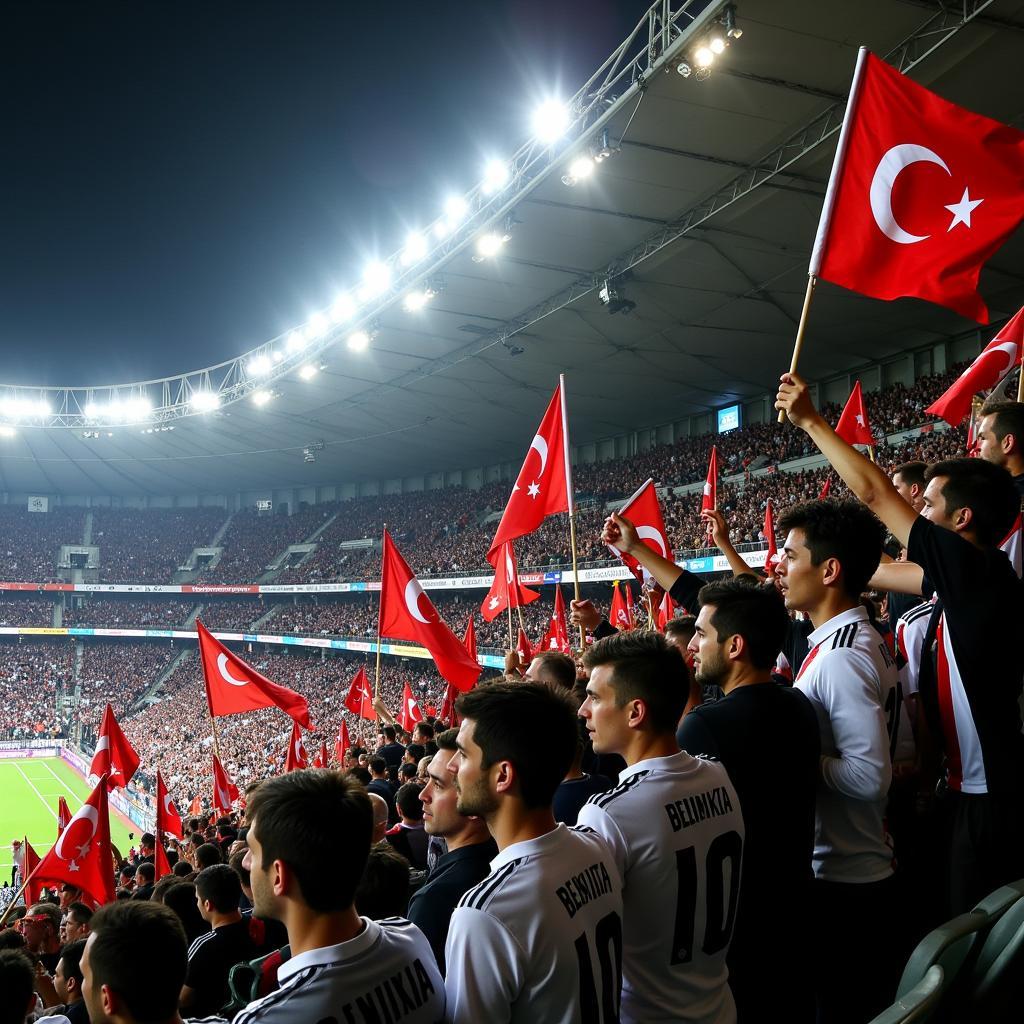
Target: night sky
x,y
182,181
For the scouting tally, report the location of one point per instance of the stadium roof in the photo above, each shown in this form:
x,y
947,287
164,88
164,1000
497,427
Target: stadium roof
x,y
716,248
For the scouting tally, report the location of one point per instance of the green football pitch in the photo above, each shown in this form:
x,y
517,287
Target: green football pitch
x,y
29,789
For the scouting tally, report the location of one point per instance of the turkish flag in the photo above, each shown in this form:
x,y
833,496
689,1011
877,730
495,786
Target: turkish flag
x,y
341,744
359,699
410,713
523,647
922,193
542,487
296,756
853,426
82,856
709,498
506,590
995,361
557,636
826,487
233,687
161,865
225,792
448,705
34,889
469,637
644,512
407,613
772,555
666,611
114,756
322,758
63,815
619,616
167,817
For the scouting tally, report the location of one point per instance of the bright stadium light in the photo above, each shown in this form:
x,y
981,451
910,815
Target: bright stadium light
x,y
489,244
716,45
455,208
309,371
257,367
317,325
496,176
24,408
8,431
376,280
359,341
581,168
415,249
550,121
343,308
205,401
415,300
703,56
295,342
262,397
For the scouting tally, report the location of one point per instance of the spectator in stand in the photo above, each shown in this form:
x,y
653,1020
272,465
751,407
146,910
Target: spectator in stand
x,y
76,922
16,984
408,836
41,927
67,980
309,838
379,784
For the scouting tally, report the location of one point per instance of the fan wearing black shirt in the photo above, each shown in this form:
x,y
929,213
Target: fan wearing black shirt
x,y
767,737
971,682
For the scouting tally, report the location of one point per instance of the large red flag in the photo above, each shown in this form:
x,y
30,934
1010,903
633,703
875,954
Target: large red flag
x,y
506,590
167,817
410,713
63,815
772,554
233,687
619,615
644,512
82,856
994,362
709,498
853,426
523,647
407,613
359,699
922,193
448,705
323,758
826,487
296,756
34,889
161,865
557,636
114,756
469,637
225,792
341,744
666,610
544,484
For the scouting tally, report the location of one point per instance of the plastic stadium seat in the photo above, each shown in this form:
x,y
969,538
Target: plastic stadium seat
x,y
947,946
996,980
918,1003
997,903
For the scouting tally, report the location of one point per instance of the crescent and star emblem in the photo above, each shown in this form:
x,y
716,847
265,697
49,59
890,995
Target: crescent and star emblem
x,y
169,807
413,593
888,170
222,668
86,813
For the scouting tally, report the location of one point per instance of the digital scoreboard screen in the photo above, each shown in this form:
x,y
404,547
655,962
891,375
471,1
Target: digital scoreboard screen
x,y
728,418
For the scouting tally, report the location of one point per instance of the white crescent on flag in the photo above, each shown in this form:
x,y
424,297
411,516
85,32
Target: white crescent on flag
x,y
413,593
886,173
86,813
169,807
541,447
222,668
653,533
509,574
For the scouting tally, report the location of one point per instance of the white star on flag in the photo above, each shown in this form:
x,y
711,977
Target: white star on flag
x,y
72,866
962,211
860,420
494,602
707,488
533,490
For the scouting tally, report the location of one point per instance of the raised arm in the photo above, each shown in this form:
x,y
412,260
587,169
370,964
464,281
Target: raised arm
x,y
720,535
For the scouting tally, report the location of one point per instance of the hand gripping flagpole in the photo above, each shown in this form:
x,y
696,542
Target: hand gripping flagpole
x,y
826,212
571,502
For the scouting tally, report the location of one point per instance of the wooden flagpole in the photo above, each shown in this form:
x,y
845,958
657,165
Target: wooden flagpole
x,y
801,330
522,625
1020,385
571,502
18,894
511,642
216,739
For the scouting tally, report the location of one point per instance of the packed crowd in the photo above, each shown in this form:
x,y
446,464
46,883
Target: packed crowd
x,y
26,611
150,544
134,610
30,676
117,673
30,542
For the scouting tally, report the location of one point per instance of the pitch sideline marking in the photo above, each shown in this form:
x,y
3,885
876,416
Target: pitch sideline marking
x,y
34,790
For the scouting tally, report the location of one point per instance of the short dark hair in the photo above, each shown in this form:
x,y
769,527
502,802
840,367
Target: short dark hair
x,y
319,822
12,939
378,765
81,912
447,740
558,668
207,854
383,890
529,724
127,938
145,871
360,774
407,770
912,473
1009,419
147,839
682,627
986,489
389,733
751,610
415,751
426,730
182,868
237,862
17,980
645,666
71,954
407,800
844,530
219,884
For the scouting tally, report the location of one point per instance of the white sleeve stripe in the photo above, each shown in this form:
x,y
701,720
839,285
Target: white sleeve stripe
x,y
476,898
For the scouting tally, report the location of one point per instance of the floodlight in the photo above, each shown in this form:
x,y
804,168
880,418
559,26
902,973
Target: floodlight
x,y
359,341
92,410
716,45
7,431
376,279
732,30
489,244
582,167
257,367
496,176
205,401
684,69
317,325
343,308
455,208
703,57
295,342
262,397
415,249
309,371
550,121
415,300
